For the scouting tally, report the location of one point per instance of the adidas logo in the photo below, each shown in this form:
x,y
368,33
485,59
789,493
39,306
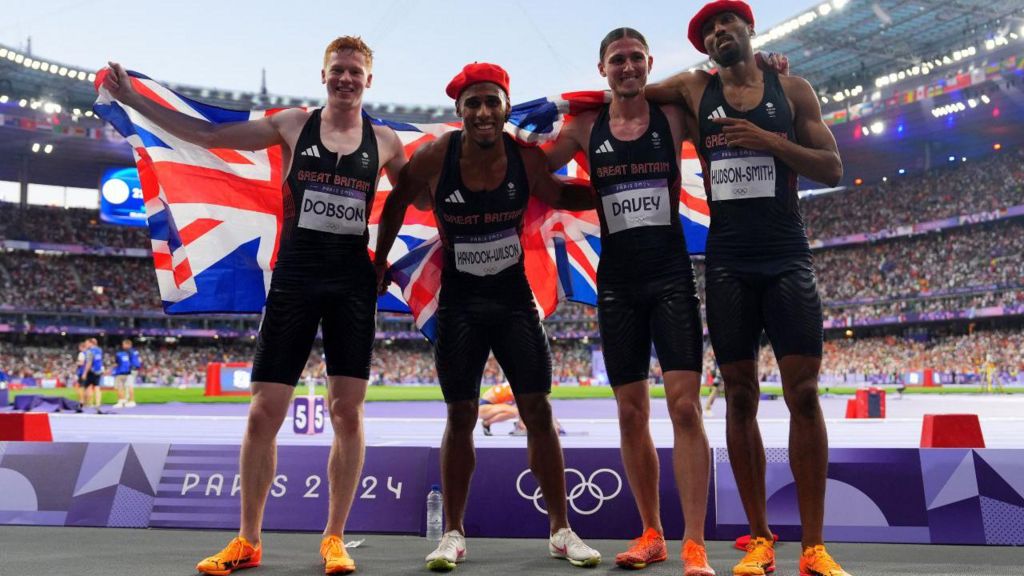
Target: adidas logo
x,y
604,148
717,113
455,198
311,151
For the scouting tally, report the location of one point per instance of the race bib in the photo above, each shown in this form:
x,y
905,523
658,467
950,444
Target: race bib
x,y
487,254
634,204
333,209
742,174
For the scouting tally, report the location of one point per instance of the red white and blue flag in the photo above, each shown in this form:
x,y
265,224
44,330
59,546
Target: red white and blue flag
x,y
215,215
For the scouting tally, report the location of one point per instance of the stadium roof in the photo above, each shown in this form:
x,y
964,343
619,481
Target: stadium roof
x,y
841,44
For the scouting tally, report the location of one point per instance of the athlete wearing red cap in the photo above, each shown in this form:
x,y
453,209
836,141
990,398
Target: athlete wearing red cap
x,y
479,181
646,289
758,132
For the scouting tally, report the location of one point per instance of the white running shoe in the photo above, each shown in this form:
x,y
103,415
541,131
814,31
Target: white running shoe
x,y
566,544
120,404
450,551
130,404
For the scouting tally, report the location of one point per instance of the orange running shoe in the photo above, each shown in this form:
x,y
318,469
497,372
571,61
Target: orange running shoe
x,y
695,560
815,561
238,554
336,558
759,560
647,549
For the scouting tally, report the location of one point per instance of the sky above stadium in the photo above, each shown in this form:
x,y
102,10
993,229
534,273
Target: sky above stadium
x,y
419,45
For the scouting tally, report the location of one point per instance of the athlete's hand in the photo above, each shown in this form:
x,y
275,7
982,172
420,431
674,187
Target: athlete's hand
x,y
118,83
741,133
383,278
772,61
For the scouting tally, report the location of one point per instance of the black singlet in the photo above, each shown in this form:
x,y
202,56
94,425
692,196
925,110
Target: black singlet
x,y
327,203
637,184
755,217
480,229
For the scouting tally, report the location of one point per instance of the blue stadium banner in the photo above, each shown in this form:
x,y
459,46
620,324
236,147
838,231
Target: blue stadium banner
x,y
121,200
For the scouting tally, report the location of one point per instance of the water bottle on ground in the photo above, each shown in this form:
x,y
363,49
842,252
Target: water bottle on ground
x,y
434,520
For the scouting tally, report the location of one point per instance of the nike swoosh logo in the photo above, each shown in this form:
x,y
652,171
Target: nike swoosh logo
x,y
562,549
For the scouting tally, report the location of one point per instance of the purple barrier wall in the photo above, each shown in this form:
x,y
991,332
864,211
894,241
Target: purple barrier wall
x,y
600,503
947,496
199,487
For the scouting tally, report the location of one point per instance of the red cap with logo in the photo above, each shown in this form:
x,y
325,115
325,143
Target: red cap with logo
x,y
476,73
712,9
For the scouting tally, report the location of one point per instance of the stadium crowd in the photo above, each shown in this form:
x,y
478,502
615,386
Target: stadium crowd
x,y
973,354
884,309
412,362
965,268
66,226
961,258
906,268
63,282
162,364
960,188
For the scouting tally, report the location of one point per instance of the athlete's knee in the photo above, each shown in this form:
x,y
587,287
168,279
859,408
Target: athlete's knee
x,y
535,411
802,399
264,420
462,416
346,418
685,412
634,414
742,404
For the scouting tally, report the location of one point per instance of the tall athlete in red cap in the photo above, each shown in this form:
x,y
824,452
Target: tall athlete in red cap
x,y
479,181
758,132
646,289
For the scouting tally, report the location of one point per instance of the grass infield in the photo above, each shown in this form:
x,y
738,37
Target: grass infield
x,y
432,393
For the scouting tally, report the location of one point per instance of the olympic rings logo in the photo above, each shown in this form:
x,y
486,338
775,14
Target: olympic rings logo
x,y
584,485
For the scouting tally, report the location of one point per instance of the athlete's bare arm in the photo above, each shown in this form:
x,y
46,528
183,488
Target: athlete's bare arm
x,y
686,88
546,186
414,184
682,89
280,129
571,139
814,155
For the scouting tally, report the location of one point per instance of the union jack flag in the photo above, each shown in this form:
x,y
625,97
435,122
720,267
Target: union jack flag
x,y
215,215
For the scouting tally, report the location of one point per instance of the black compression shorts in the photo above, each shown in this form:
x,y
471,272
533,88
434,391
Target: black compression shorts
x,y
472,323
347,308
632,315
785,305
91,379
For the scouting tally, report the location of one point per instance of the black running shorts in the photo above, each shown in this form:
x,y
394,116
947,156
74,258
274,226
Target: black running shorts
x,y
347,310
665,311
91,379
785,305
472,322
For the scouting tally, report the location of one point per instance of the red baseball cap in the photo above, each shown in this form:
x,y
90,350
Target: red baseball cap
x,y
712,9
476,73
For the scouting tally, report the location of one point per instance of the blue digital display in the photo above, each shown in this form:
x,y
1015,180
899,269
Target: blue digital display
x,y
121,200
234,379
